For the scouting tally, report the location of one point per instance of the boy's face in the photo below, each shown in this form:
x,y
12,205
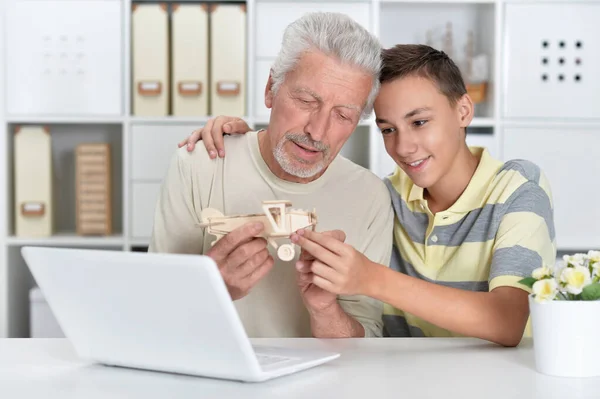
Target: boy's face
x,y
421,130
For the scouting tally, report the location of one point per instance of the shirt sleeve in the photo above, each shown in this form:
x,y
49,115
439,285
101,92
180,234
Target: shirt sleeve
x,y
378,248
525,239
176,220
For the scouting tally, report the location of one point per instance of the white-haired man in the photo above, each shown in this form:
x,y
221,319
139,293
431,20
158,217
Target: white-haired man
x,y
323,81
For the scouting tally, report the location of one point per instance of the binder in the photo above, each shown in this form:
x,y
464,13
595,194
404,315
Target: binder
x,y
150,61
33,205
189,62
93,189
228,59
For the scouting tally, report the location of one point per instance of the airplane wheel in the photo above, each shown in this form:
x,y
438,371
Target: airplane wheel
x,y
286,252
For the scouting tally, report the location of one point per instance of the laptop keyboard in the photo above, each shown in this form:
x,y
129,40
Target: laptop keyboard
x,y
268,360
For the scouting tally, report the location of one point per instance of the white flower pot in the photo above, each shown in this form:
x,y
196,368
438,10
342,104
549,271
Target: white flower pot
x,y
566,337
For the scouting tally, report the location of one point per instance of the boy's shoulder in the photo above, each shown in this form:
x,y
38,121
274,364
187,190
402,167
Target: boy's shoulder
x,y
524,169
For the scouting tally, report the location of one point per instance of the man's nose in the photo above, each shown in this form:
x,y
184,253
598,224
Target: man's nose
x,y
318,125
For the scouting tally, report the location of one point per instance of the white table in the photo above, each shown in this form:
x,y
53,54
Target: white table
x,y
368,369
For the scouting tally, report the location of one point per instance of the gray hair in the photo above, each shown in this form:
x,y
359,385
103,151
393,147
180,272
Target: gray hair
x,y
333,34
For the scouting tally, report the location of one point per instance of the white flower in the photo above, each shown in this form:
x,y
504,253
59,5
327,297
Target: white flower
x,y
541,272
545,290
594,256
575,279
575,260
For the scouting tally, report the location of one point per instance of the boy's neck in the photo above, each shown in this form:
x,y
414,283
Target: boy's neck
x,y
450,187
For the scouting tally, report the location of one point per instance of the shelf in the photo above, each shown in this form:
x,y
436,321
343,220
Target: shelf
x,y
64,120
175,120
439,1
64,140
65,239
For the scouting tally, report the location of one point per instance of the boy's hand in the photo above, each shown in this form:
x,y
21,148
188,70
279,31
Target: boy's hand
x,y
339,268
212,134
315,298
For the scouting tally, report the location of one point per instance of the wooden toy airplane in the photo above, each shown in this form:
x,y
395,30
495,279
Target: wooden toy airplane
x,y
279,219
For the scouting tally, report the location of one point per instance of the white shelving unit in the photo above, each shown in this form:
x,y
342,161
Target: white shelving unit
x,y
142,145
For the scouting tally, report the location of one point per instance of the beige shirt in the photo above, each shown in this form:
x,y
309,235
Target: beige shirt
x,y
346,197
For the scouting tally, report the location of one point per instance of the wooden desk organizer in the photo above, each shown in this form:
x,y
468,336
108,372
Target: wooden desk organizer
x,y
93,189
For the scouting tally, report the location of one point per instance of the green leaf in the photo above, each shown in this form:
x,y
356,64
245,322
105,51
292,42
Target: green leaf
x,y
591,292
528,281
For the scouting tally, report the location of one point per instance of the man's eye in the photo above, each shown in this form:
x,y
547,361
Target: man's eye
x,y
420,122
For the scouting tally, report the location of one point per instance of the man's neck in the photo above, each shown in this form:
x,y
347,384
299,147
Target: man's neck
x,y
266,151
448,190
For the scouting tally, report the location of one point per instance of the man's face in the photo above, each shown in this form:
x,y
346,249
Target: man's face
x,y
315,110
421,130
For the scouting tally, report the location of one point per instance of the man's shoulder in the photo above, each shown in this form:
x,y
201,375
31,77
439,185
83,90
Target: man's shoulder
x,y
199,156
362,178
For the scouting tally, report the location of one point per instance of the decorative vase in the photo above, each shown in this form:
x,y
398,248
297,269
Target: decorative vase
x,y
566,337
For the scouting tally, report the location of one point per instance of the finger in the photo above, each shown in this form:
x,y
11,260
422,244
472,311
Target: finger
x,y
237,126
216,134
337,234
230,242
305,256
322,270
253,263
208,140
304,266
305,278
324,240
244,252
325,284
218,131
317,250
184,141
259,273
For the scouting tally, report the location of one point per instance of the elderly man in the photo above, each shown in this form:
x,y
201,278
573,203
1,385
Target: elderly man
x,y
323,81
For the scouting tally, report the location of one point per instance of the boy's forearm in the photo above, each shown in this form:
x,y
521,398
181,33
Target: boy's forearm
x,y
499,316
335,323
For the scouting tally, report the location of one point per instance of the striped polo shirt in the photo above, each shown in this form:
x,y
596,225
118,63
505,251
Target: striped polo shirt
x,y
497,232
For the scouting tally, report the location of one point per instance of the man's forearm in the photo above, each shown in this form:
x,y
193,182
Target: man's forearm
x,y
495,316
334,322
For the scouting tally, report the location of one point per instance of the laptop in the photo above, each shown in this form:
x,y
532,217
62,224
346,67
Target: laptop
x,y
160,312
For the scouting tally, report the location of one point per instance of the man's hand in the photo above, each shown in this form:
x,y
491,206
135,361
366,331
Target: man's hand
x,y
242,259
315,298
212,134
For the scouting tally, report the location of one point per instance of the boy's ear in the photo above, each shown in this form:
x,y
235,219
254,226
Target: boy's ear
x,y
269,91
465,110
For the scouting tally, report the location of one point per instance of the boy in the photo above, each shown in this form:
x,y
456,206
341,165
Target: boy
x,y
468,227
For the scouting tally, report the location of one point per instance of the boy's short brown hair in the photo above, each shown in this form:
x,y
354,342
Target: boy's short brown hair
x,y
420,60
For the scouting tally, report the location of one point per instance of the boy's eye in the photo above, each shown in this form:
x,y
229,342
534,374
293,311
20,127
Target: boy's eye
x,y
420,122
388,130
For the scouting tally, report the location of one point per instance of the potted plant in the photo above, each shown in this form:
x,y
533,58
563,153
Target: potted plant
x,y
565,316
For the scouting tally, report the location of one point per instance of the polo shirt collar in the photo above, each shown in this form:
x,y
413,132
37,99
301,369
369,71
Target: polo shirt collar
x,y
474,195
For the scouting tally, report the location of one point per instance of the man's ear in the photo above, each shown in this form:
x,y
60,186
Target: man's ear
x,y
269,91
465,109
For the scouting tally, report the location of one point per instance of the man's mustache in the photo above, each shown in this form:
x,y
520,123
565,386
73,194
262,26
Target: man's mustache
x,y
300,138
